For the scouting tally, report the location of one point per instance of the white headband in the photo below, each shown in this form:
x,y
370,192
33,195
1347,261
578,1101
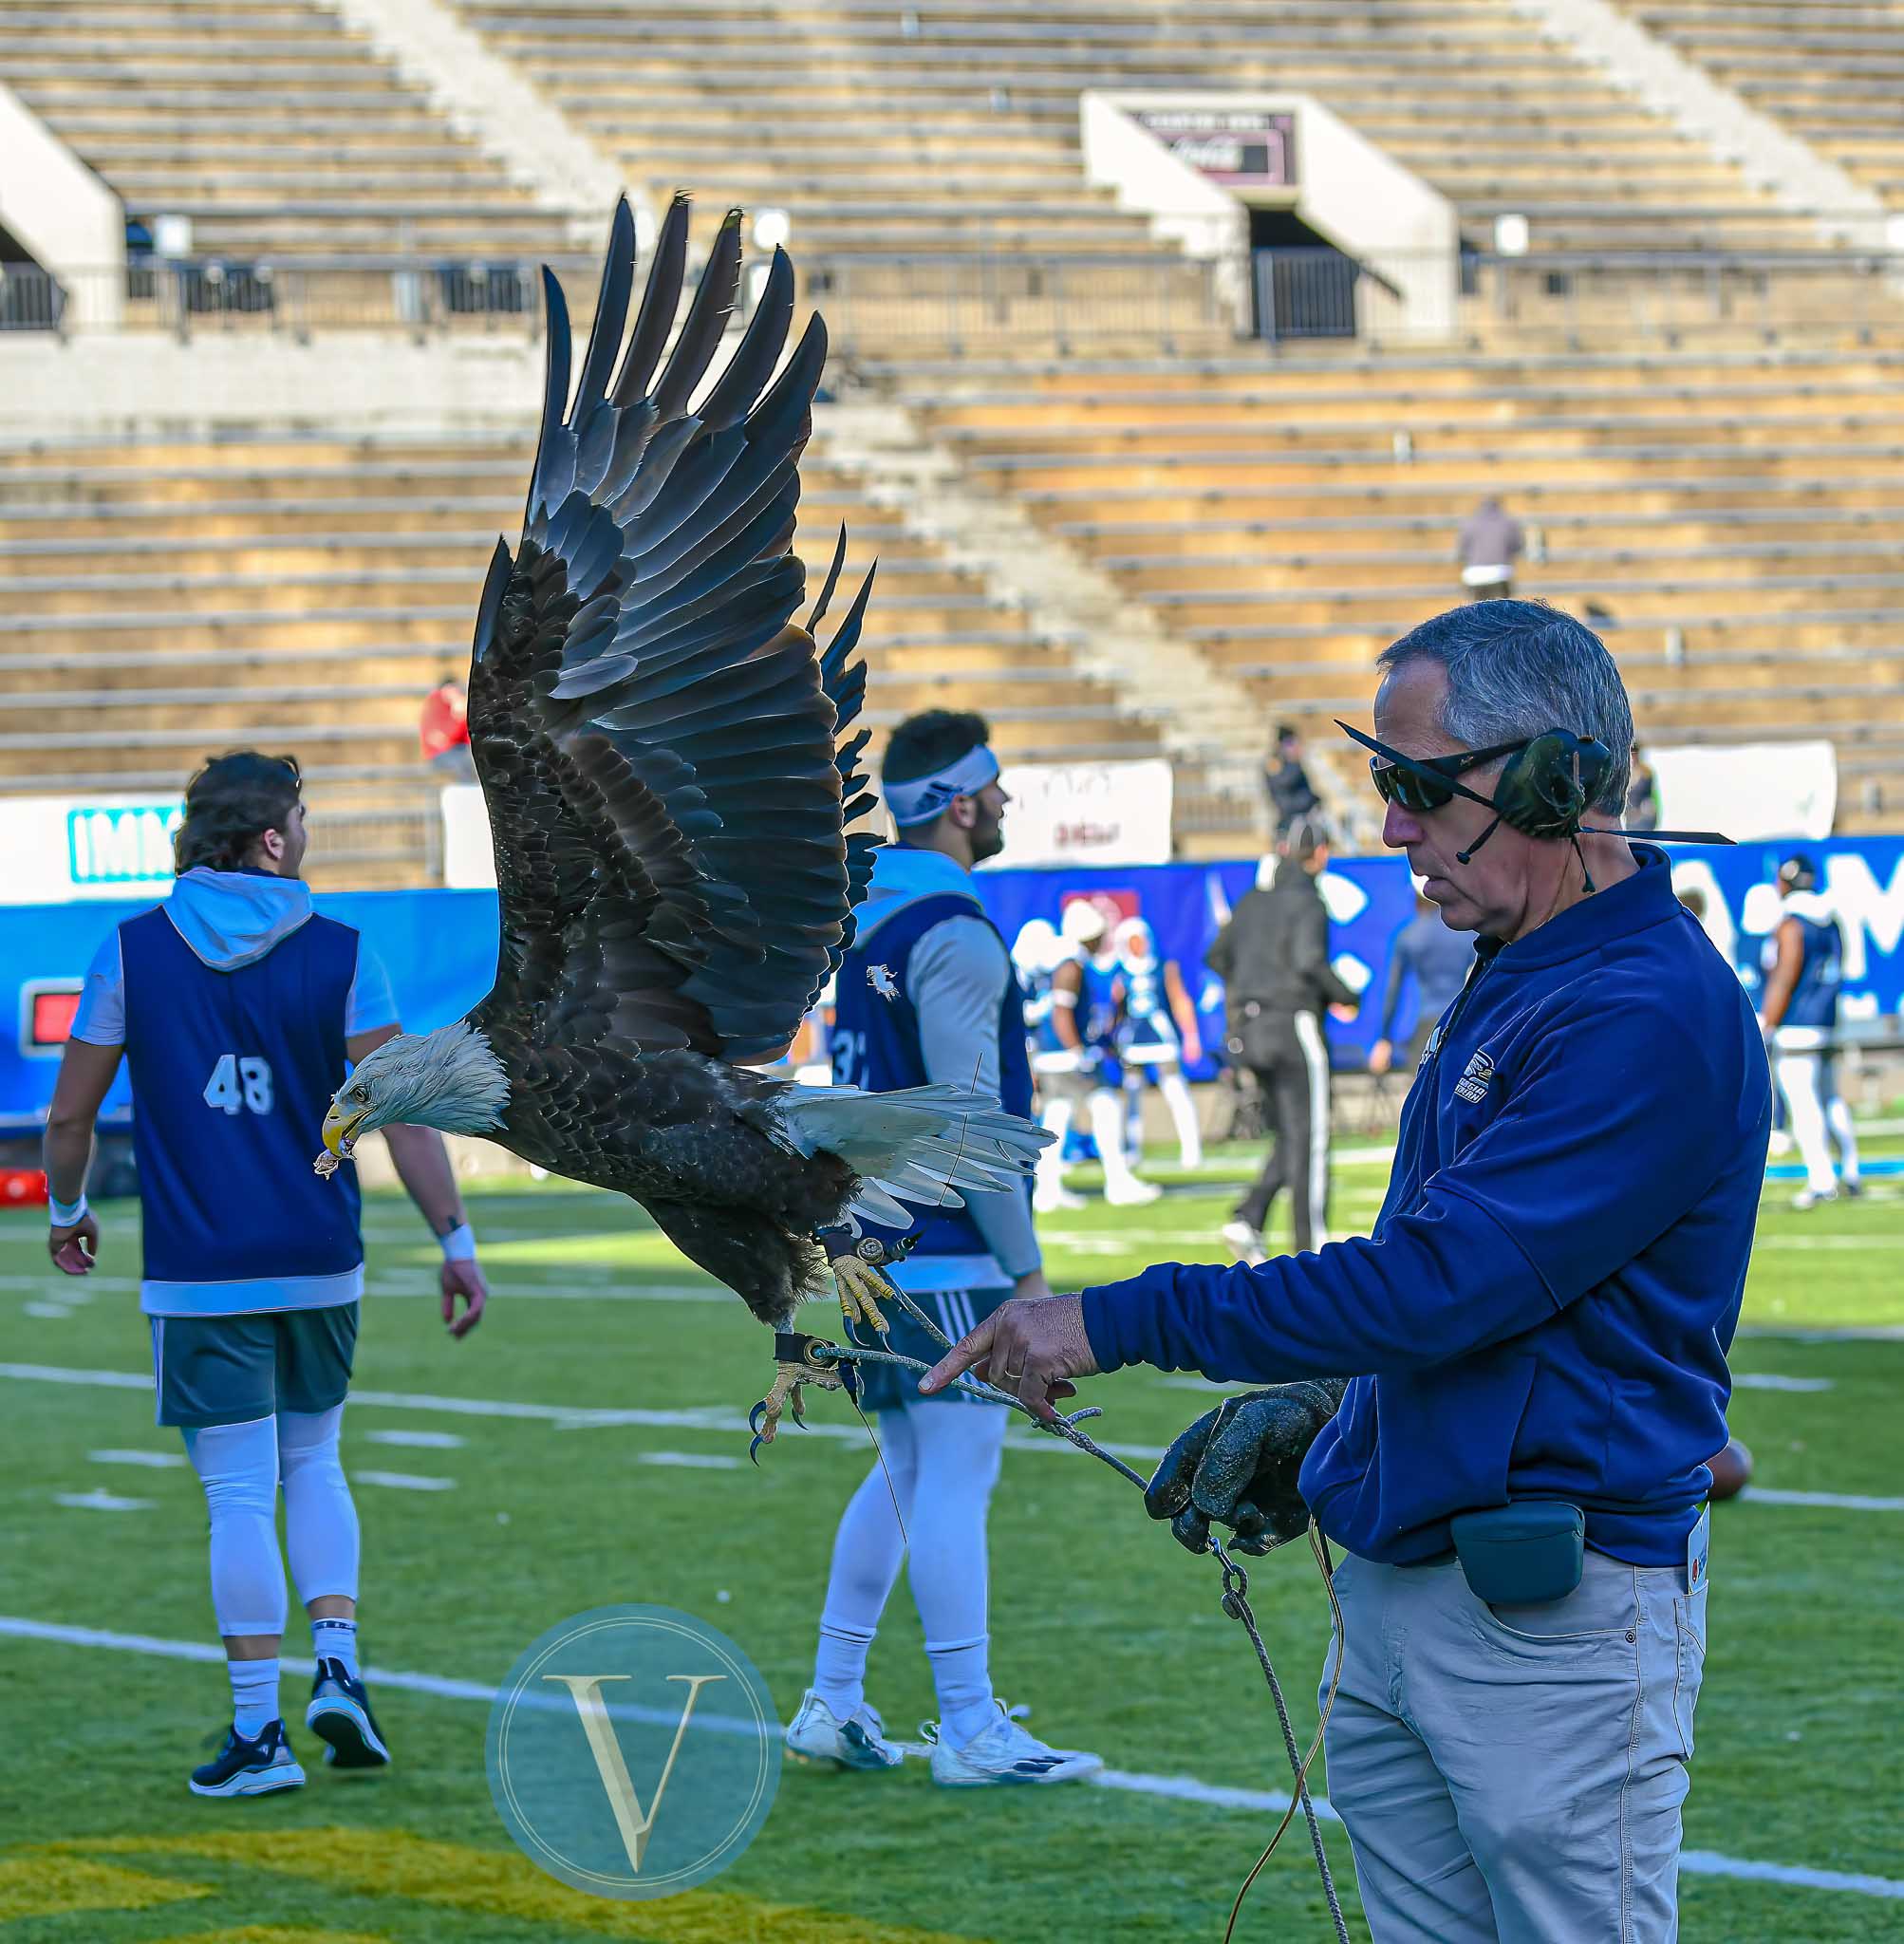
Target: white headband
x,y
921,798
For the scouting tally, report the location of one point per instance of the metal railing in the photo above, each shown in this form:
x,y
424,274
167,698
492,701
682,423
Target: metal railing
x,y
878,304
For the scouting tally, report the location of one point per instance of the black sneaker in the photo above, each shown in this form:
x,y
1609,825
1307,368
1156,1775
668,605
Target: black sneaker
x,y
253,1767
340,1714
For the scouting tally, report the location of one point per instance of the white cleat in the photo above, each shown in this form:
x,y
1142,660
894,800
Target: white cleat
x,y
817,1734
1246,1243
1807,1198
1055,1201
1130,1194
1005,1755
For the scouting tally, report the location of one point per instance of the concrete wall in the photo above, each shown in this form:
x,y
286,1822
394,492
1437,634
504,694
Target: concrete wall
x,y
1347,189
492,103
146,383
73,224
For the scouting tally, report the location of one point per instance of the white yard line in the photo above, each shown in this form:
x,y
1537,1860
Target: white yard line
x,y
1768,1380
720,1420
100,1502
1843,1502
423,1441
157,1461
54,1279
1877,1333
404,1481
691,1461
509,1290
1181,1788
1828,1242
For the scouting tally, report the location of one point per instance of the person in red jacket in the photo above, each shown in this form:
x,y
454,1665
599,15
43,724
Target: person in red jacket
x,y
444,732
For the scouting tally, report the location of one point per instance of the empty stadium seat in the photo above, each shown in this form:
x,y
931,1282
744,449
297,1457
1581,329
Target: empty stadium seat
x,y
1728,520
277,130
176,598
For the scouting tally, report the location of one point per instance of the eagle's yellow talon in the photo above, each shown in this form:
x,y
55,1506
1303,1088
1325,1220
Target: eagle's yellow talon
x,y
783,1399
860,1285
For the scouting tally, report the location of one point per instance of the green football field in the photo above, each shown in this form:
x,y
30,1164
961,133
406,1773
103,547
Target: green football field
x,y
587,1448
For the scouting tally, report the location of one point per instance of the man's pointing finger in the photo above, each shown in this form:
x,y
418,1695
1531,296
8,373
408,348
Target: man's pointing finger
x,y
969,1352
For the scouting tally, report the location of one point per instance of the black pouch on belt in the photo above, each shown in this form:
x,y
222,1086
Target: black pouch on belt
x,y
1526,1554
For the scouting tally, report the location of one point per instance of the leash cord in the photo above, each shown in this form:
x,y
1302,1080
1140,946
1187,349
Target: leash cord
x,y
1236,1604
1234,1598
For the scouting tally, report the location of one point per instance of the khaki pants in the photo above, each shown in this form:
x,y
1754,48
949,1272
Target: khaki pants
x,y
1514,1774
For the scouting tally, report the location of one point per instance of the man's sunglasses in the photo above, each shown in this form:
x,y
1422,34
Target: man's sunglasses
x,y
1418,792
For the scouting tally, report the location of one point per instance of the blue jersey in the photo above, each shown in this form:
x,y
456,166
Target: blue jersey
x,y
1098,1006
232,1071
876,1045
1814,1000
1036,986
1147,1021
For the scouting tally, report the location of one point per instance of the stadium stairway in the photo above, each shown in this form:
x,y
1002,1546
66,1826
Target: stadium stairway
x,y
1727,522
1830,72
174,599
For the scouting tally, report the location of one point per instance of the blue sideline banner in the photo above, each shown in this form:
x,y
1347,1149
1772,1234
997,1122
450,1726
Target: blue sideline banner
x,y
440,945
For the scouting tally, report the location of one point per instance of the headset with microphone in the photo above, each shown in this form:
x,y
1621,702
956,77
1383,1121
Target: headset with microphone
x,y
1545,787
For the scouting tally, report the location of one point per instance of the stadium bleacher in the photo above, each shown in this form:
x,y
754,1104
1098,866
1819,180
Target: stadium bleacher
x,y
172,599
954,126
1710,464
1727,522
277,131
1830,72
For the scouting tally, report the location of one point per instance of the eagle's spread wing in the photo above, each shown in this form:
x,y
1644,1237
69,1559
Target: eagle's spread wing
x,y
658,742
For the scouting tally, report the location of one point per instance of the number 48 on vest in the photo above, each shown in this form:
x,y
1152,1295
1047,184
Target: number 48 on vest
x,y
236,1084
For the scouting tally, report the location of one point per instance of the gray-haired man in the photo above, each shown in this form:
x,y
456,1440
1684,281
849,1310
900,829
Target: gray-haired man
x,y
1535,1332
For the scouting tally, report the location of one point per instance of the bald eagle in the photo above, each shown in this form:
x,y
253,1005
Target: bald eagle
x,y
678,825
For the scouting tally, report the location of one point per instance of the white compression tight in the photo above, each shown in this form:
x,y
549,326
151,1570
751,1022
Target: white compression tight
x,y
943,1458
1818,1116
321,1532
1176,1092
1056,1121
1107,1129
239,1466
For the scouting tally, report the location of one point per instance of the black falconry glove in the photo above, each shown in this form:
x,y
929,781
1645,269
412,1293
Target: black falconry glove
x,y
1238,1465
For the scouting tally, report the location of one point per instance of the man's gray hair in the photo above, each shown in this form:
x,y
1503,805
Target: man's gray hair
x,y
1519,668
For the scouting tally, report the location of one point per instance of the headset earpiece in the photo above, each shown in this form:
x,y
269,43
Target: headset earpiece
x,y
1547,788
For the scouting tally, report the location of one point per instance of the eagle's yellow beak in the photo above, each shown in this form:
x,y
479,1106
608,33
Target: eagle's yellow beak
x,y
340,1131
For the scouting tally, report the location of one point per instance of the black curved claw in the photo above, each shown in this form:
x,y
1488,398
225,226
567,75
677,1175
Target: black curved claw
x,y
754,1418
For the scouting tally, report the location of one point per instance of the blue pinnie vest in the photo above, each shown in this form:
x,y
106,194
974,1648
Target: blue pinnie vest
x,y
1814,1001
232,1071
875,1039
1097,1002
1148,1020
1041,1015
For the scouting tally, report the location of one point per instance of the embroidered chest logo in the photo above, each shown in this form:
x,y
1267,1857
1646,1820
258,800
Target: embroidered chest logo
x,y
879,979
1473,1084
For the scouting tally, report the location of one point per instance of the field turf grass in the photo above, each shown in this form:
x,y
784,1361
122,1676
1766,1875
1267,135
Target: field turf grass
x,y
1101,1623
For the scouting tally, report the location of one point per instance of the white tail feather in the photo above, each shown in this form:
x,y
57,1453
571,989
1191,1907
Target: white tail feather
x,y
920,1143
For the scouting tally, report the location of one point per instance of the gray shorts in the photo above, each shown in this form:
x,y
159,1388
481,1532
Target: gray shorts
x,y
231,1370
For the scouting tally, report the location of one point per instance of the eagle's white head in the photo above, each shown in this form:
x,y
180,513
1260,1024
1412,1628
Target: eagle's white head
x,y
448,1080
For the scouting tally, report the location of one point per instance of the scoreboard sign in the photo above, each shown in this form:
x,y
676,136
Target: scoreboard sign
x,y
1244,148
